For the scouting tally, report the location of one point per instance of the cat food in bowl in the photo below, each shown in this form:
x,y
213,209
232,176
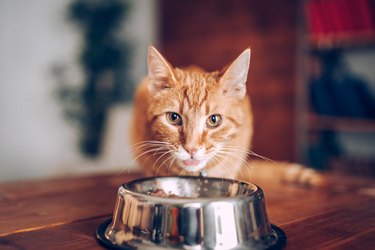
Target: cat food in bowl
x,y
190,213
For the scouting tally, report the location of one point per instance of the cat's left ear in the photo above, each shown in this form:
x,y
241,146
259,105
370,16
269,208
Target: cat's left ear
x,y
160,71
233,81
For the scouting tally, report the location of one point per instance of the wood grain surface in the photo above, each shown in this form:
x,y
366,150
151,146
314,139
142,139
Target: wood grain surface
x,y
64,213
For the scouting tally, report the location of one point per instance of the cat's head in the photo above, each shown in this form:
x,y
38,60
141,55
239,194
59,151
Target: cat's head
x,y
196,113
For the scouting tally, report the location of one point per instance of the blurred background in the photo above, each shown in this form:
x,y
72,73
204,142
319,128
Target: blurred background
x,y
69,68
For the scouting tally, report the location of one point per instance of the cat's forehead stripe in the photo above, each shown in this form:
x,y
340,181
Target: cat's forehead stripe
x,y
194,96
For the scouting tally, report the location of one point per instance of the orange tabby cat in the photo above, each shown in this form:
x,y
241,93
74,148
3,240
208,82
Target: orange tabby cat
x,y
188,121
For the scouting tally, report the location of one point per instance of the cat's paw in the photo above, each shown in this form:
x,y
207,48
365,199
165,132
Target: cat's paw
x,y
298,174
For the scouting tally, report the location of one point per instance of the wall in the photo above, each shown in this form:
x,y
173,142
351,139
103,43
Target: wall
x,y
35,141
212,33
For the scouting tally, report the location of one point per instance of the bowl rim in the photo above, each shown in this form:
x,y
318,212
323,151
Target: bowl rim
x,y
256,194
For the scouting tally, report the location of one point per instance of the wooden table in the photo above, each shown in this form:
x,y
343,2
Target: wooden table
x,y
64,213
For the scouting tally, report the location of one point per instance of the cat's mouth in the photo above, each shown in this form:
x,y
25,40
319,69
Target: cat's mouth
x,y
191,162
192,165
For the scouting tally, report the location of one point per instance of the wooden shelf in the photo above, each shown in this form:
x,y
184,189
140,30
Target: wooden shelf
x,y
358,40
345,28
341,124
340,23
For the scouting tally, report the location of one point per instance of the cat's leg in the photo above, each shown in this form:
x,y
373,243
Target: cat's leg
x,y
261,171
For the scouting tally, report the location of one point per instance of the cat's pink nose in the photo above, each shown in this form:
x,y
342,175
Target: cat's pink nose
x,y
191,150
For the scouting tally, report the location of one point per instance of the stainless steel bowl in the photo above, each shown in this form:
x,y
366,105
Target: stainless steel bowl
x,y
199,213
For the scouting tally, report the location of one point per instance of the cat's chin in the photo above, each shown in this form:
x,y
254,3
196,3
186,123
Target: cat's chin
x,y
190,166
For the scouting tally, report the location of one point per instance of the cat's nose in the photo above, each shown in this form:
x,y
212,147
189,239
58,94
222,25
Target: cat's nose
x,y
191,150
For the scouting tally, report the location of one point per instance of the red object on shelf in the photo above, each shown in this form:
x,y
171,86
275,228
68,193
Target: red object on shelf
x,y
314,19
368,14
340,19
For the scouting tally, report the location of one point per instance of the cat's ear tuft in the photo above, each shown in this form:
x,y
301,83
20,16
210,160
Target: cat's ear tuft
x,y
160,71
233,80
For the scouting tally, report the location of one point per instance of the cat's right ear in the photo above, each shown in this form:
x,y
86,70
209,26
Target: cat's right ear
x,y
234,79
160,71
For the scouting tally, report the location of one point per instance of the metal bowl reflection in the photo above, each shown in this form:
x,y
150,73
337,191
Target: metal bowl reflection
x,y
198,213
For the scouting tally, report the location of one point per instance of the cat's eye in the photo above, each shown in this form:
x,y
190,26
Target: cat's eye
x,y
214,121
174,118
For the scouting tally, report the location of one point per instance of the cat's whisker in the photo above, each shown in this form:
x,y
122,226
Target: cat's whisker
x,y
225,158
223,174
248,170
163,164
244,150
230,154
161,156
147,152
181,171
140,145
216,163
170,165
232,158
158,168
242,160
225,169
162,149
143,144
155,150
168,150
263,158
128,153
149,142
161,152
146,146
246,159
